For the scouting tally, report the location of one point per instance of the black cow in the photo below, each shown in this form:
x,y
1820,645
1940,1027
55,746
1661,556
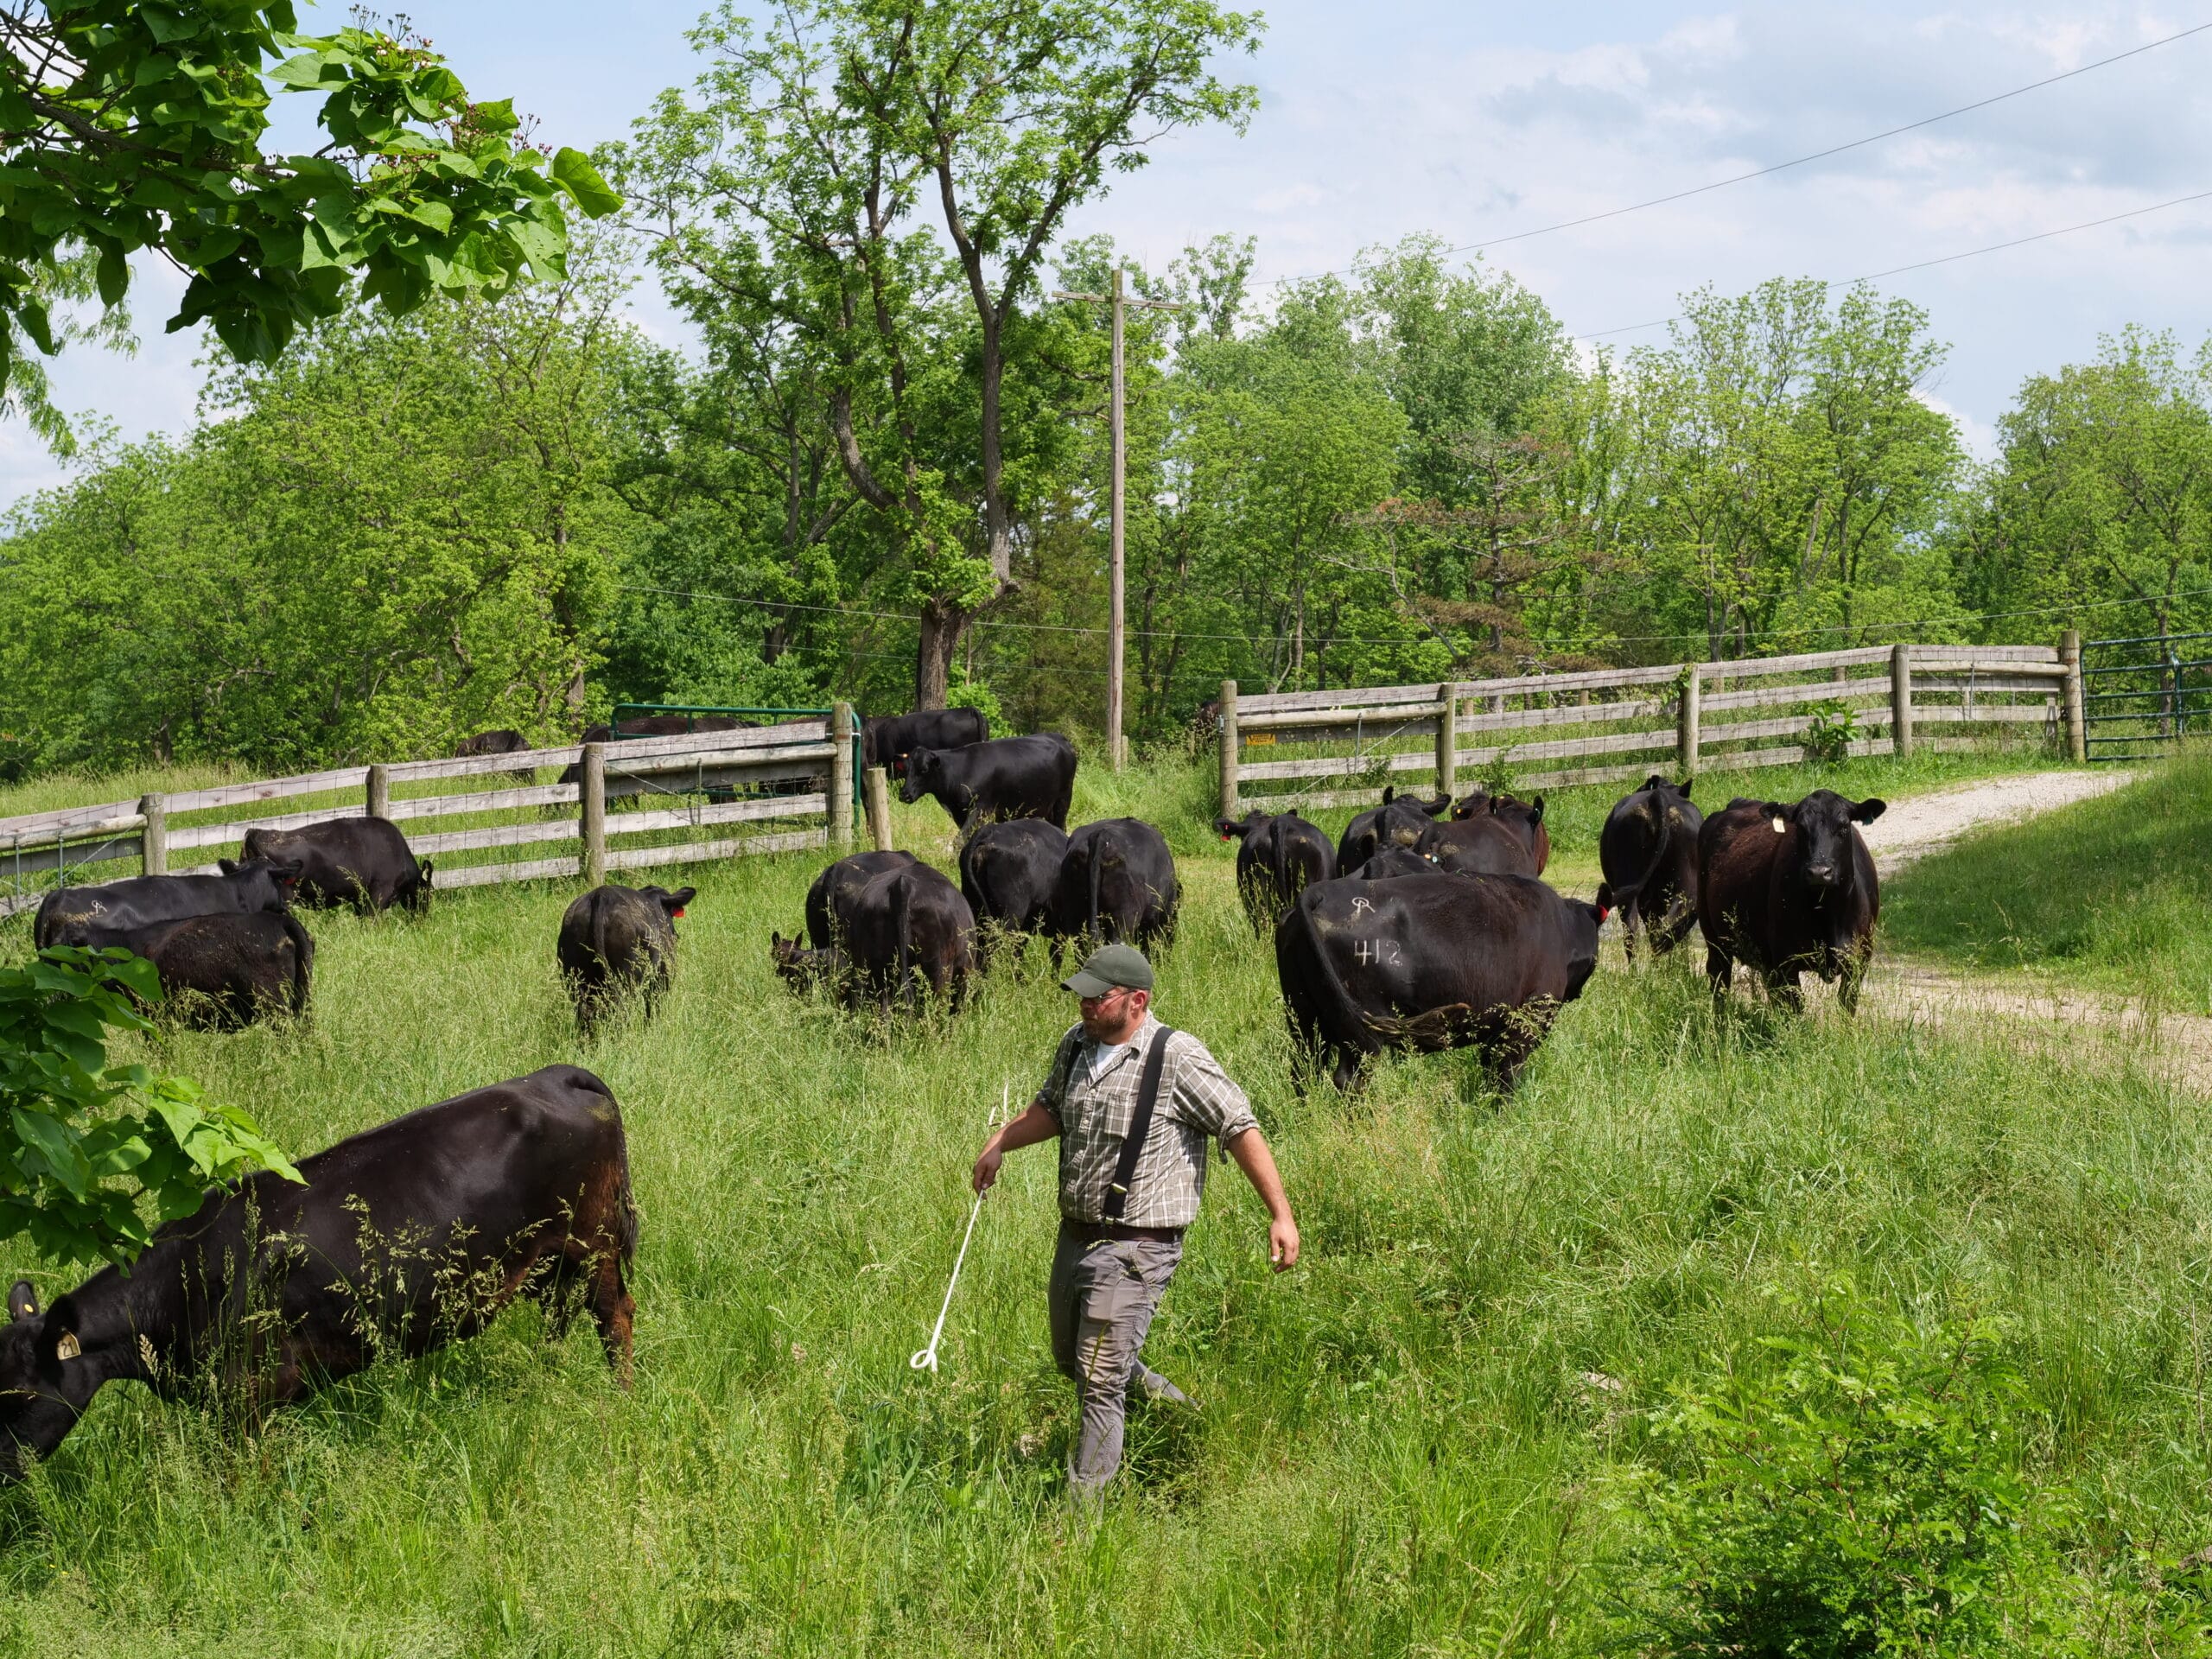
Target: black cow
x,y
887,739
504,740
1431,962
241,889
1390,862
1789,890
615,941
1280,856
1506,837
1648,851
222,972
1401,820
364,862
1009,872
650,726
903,922
404,1238
1117,884
1002,777
837,886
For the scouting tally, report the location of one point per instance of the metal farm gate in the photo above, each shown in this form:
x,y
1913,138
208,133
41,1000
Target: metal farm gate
x,y
2142,696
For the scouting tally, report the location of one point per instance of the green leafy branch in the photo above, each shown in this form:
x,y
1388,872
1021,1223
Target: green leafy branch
x,y
82,1143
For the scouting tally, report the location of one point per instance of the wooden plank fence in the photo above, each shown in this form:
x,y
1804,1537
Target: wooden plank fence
x,y
1685,717
41,849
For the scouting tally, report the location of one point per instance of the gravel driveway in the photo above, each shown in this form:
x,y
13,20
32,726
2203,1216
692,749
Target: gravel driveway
x,y
1927,823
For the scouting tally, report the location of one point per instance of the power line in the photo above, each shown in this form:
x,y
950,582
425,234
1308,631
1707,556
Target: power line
x,y
1947,258
1780,167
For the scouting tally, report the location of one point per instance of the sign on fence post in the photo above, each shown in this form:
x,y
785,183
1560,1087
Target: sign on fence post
x,y
2071,703
592,803
1901,701
154,840
840,804
1229,748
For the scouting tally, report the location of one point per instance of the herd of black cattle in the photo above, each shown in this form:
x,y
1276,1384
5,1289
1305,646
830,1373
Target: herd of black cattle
x,y
1425,926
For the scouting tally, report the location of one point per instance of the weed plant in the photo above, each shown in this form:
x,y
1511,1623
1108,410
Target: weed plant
x,y
1436,1436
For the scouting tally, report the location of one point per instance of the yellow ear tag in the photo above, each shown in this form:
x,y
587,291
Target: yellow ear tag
x,y
68,1347
1781,826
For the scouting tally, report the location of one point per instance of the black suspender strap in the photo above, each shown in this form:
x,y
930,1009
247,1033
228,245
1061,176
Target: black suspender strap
x,y
1125,1170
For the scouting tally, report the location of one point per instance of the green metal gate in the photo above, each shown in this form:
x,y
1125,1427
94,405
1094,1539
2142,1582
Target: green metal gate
x,y
2142,696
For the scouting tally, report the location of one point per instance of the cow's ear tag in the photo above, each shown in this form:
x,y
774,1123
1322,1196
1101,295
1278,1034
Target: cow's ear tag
x,y
1782,826
68,1347
678,911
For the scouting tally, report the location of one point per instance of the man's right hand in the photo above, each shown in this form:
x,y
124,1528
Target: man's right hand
x,y
987,1165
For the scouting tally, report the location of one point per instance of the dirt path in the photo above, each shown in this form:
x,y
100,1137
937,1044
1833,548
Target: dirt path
x,y
1927,823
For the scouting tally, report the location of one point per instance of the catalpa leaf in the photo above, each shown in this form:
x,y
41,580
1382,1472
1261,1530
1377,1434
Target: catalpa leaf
x,y
574,172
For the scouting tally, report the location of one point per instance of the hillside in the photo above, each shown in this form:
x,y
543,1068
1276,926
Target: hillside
x,y
1426,1439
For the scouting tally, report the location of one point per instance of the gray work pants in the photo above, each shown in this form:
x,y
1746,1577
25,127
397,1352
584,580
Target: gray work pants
x,y
1102,1297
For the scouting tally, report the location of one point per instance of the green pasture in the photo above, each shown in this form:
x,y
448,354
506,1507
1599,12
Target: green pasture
x,y
1439,1435
2107,893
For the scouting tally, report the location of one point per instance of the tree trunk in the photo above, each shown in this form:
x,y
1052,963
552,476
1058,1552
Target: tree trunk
x,y
942,622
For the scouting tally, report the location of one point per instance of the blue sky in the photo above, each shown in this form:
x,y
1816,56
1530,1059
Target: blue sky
x,y
1480,120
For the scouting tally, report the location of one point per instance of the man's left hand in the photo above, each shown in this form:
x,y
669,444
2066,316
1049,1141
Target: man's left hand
x,y
1282,1243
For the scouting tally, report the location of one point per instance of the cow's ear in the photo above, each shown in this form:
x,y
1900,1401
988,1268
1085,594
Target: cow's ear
x,y
674,902
22,1302
1390,793
1869,810
425,868
1686,784
57,1339
227,866
1537,807
1227,828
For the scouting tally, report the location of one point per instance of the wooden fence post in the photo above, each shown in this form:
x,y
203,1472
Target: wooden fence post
x,y
592,798
841,776
1900,700
2073,706
876,785
155,844
1447,738
379,792
1229,748
1685,722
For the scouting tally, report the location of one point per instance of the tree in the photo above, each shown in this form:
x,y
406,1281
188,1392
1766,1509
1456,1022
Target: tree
x,y
823,145
128,128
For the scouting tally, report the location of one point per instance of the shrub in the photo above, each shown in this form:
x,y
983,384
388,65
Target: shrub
x,y
1834,729
1852,1492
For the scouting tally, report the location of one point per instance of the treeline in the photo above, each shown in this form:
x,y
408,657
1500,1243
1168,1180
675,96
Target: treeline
x,y
880,472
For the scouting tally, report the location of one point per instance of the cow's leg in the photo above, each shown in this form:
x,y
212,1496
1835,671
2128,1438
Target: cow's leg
x,y
1782,986
1721,970
1847,984
1348,1072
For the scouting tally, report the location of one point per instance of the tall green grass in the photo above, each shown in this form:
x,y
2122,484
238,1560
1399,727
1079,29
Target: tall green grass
x,y
2107,893
1411,1444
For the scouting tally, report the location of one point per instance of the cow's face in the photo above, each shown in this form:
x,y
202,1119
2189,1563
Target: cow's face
x,y
924,773
799,967
46,1382
1824,823
1472,805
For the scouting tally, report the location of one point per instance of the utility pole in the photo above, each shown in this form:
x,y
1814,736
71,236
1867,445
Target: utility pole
x,y
1115,632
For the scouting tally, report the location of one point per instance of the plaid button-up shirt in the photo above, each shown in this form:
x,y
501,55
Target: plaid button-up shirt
x,y
1197,1100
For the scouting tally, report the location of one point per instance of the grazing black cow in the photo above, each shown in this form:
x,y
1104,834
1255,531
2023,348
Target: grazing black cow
x,y
1506,837
1788,889
1281,856
1205,724
504,740
364,862
837,886
1648,851
1401,820
1117,884
241,889
903,922
1001,778
1390,862
615,941
404,1237
1431,962
1008,873
887,739
221,972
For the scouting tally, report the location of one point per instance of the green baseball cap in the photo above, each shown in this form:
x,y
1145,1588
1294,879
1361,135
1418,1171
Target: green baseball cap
x,y
1108,966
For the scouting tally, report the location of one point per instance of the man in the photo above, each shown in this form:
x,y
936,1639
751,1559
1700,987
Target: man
x,y
1122,1214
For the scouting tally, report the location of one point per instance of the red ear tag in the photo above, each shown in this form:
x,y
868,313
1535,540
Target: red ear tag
x,y
678,911
1602,914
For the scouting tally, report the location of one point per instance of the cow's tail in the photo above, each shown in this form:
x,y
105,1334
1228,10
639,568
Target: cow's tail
x,y
1098,863
303,962
902,910
1348,1015
1624,897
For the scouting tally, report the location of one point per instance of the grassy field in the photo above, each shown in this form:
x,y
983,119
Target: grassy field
x,y
1435,1437
2106,893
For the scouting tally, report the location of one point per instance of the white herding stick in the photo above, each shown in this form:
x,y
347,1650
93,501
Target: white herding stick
x,y
925,1359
